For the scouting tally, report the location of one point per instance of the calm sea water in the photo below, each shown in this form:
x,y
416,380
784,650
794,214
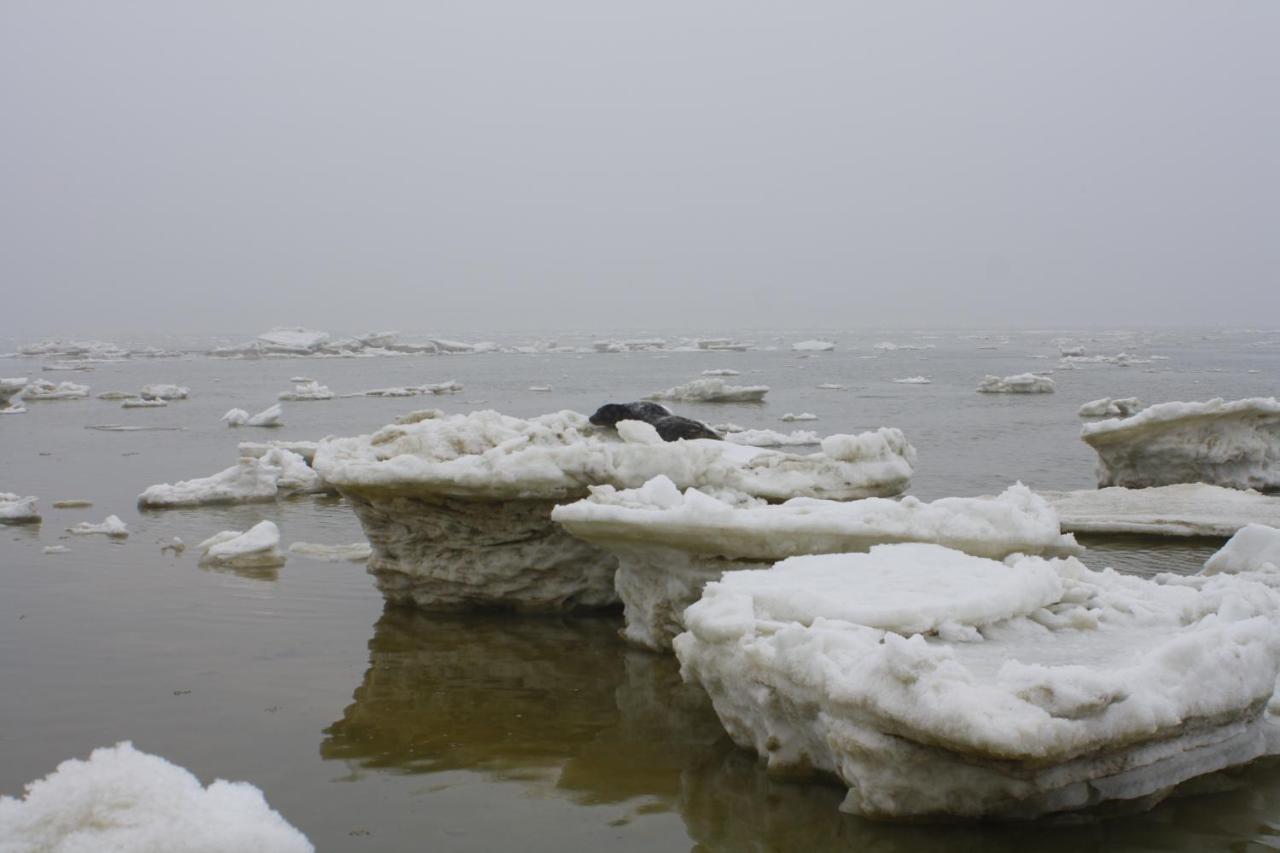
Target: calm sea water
x,y
377,729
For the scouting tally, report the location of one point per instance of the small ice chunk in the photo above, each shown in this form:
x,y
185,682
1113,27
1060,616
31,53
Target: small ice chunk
x,y
73,503
142,403
256,548
43,389
720,371
419,415
813,346
111,526
914,380
1021,383
268,417
56,549
162,391
638,432
832,386
1255,548
277,472
16,509
175,545
541,388
803,416
1107,407
122,799
307,391
356,552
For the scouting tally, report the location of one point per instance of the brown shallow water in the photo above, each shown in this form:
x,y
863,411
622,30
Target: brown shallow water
x,y
379,729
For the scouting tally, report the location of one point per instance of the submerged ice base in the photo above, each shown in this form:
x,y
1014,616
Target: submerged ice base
x,y
458,509
938,685
670,544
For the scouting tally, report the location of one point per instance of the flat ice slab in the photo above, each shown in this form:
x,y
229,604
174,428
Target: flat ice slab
x,y
1184,509
1022,383
670,544
712,390
121,799
938,684
1234,444
1108,407
111,526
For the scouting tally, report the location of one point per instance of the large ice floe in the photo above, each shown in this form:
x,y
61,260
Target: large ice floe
x,y
1234,444
458,509
712,390
1184,509
934,683
669,544
16,509
276,473
255,548
123,800
1022,383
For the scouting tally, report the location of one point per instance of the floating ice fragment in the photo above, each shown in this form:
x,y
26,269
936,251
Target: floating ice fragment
x,y
111,526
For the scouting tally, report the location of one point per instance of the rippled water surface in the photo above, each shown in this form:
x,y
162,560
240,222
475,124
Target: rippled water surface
x,y
374,728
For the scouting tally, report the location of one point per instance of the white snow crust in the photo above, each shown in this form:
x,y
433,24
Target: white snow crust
x,y
1184,509
123,800
938,684
712,390
1022,383
1234,444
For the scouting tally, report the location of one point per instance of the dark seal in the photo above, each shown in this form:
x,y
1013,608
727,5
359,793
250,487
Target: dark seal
x,y
670,427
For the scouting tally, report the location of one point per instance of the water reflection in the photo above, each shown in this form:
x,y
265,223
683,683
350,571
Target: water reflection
x,y
563,706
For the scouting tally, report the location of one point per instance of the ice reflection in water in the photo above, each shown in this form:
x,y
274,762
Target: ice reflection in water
x,y
564,707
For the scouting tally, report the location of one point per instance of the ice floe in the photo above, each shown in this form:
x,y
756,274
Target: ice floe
x,y
832,386
449,387
1185,509
1234,444
268,417
111,526
16,509
1254,548
789,417
356,552
258,449
307,391
934,683
914,380
255,548
813,346
143,403
458,509
890,346
1022,383
1108,407
1123,359
72,503
162,391
713,390
669,544
277,473
43,389
123,800
720,371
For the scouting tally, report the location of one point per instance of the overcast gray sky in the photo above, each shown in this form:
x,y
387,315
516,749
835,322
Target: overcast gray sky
x,y
687,164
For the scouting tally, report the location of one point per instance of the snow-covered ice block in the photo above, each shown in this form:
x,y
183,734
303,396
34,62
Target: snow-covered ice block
x,y
802,416
1184,509
123,800
16,509
669,544
1254,548
307,391
914,380
111,526
356,552
277,473
772,438
458,509
255,548
938,684
43,389
143,403
1108,407
268,417
1022,383
1234,444
713,390
162,391
813,346
258,449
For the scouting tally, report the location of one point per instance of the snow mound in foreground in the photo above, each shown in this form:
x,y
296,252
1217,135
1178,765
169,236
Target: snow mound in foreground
x,y
934,683
1234,444
122,800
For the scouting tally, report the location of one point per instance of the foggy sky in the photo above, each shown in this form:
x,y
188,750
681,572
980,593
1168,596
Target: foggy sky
x,y
584,163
